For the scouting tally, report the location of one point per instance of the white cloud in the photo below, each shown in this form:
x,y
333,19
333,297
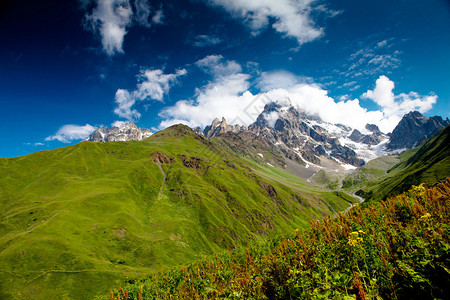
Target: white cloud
x,y
292,18
279,79
69,133
228,95
143,11
218,67
125,102
225,96
382,44
153,85
394,107
112,18
118,123
374,59
158,17
204,40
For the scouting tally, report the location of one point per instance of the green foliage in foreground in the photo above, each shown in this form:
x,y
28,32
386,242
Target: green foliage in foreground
x,y
80,220
394,249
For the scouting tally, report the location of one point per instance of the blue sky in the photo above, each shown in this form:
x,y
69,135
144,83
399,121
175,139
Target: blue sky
x,y
67,67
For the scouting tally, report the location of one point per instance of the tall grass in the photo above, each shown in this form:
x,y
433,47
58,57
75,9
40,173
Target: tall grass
x,y
395,249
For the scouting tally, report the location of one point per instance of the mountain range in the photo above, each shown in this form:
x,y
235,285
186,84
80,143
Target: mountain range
x,y
305,139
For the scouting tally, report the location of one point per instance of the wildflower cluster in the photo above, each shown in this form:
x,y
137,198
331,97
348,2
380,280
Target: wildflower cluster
x,y
419,190
355,238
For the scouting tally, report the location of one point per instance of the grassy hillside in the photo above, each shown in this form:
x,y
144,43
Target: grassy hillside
x,y
427,163
370,173
76,221
394,249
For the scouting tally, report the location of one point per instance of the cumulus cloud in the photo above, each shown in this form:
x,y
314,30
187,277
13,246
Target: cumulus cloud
x,y
118,123
395,106
112,18
70,132
292,18
153,85
279,79
228,95
218,66
125,101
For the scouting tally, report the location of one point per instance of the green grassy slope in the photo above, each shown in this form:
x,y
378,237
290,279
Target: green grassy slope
x,y
427,163
370,173
76,221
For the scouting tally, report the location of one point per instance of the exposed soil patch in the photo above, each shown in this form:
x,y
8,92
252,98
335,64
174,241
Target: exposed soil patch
x,y
161,158
191,162
269,190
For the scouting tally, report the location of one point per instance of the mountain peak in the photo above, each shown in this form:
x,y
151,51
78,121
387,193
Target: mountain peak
x,y
124,132
413,128
217,127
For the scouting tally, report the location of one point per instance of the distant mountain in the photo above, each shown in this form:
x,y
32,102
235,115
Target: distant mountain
x,y
306,139
218,127
126,132
427,164
413,129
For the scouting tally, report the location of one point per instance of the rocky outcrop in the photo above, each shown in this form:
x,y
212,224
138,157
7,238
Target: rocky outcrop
x,y
161,158
218,127
126,132
413,129
369,139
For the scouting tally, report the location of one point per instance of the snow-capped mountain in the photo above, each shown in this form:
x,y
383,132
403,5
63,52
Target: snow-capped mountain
x,y
309,140
303,138
125,132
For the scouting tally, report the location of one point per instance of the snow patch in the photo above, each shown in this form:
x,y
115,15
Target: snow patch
x,y
364,151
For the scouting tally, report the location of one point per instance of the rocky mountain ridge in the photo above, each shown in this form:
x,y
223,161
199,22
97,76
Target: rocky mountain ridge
x,y
413,128
302,138
308,140
125,132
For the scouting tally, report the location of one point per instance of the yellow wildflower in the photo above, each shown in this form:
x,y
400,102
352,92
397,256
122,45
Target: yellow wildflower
x,y
419,190
354,238
425,216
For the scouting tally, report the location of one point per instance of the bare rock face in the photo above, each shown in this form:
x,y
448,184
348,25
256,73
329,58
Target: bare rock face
x,y
369,139
218,127
414,128
126,132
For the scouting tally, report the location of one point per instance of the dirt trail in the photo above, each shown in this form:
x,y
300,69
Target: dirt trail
x,y
161,191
